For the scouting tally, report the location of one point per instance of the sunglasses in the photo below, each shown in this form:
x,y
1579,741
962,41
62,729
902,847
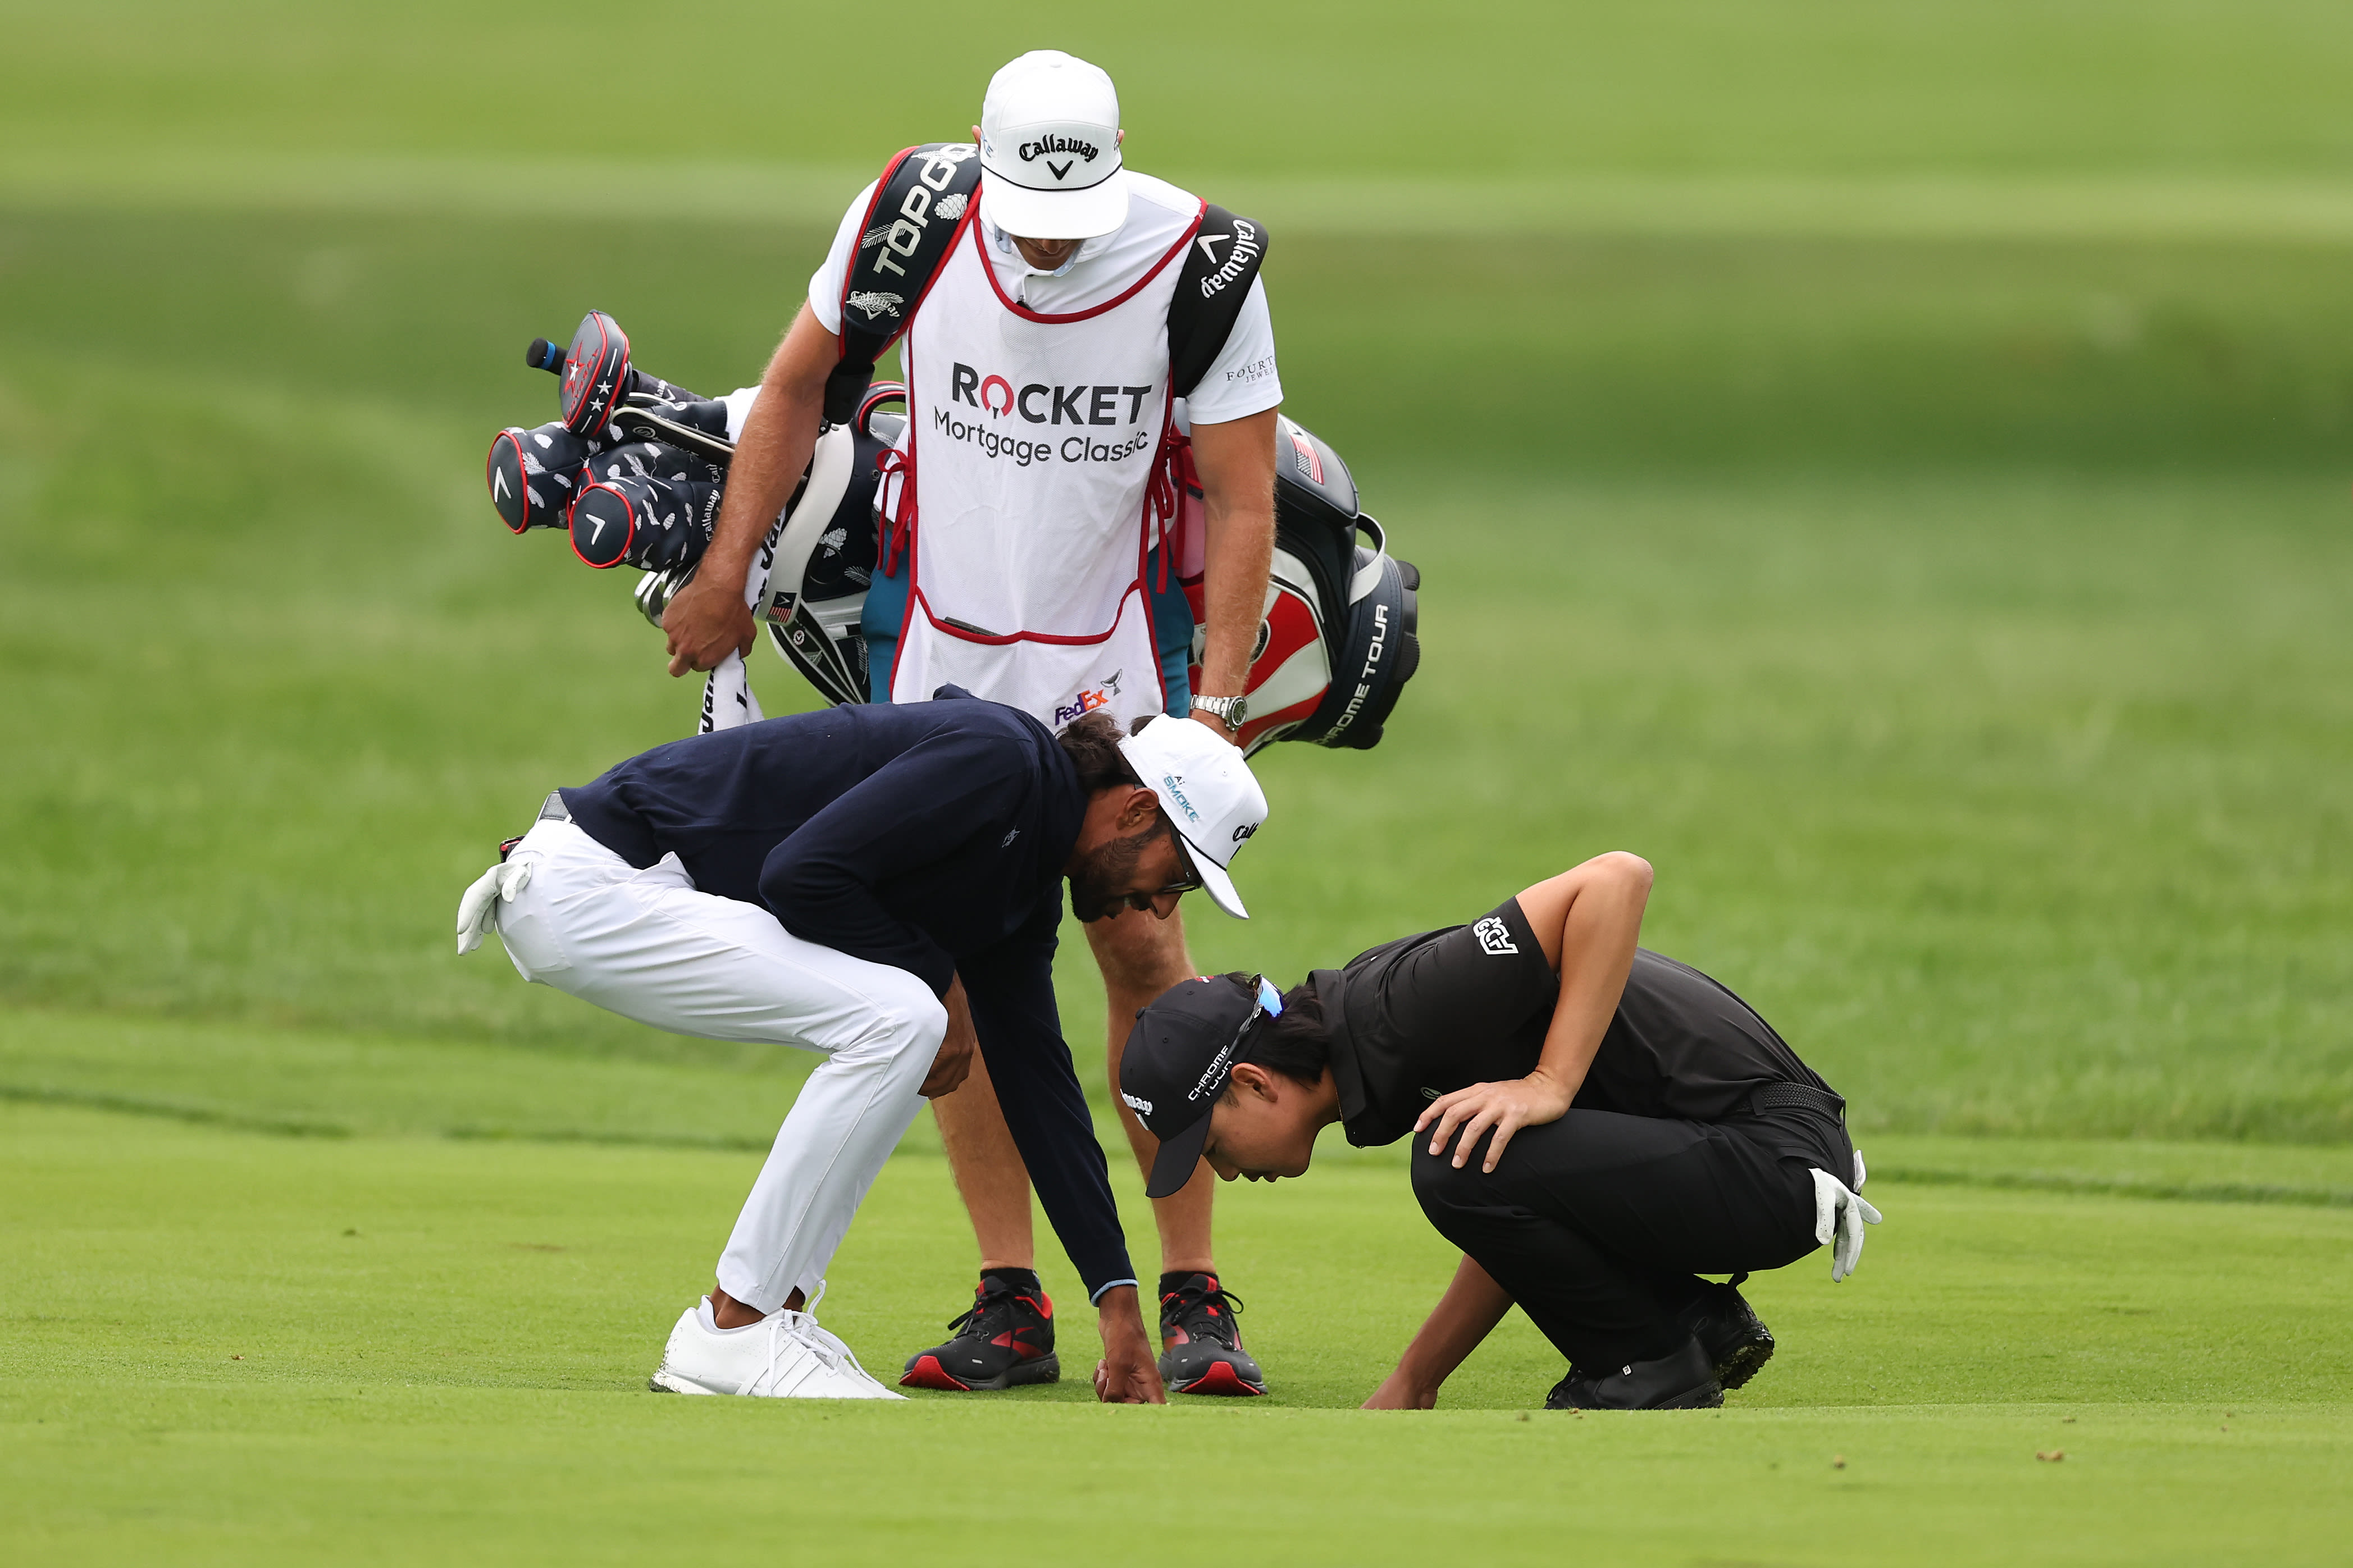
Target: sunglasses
x,y
1267,1003
1270,1000
1189,882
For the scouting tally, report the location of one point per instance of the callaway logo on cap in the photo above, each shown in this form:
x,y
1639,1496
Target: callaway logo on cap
x,y
1209,794
1050,149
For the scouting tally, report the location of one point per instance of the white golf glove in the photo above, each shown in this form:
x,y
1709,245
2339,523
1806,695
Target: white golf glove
x,y
478,910
1840,1215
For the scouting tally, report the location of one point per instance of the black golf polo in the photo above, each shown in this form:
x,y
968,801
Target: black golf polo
x,y
1687,1151
1440,1010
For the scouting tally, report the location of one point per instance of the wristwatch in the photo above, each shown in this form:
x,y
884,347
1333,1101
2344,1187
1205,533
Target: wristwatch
x,y
1231,712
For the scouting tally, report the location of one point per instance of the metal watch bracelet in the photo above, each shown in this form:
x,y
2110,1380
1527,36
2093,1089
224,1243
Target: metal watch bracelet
x,y
1231,712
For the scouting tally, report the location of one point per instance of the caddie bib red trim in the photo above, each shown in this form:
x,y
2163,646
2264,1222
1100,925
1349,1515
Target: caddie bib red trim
x,y
1033,442
1027,314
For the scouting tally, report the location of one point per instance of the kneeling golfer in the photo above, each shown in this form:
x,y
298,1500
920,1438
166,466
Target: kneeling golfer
x,y
880,885
1594,1126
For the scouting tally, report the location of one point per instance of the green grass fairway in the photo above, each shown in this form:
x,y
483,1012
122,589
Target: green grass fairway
x,y
226,1346
1887,463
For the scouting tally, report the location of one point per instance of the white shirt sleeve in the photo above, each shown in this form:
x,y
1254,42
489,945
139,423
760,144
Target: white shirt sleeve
x,y
825,283
1241,381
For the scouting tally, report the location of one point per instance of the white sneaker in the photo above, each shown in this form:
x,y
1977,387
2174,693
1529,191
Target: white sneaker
x,y
785,1355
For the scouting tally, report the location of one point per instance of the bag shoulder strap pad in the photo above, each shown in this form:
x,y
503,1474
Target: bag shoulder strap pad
x,y
1220,266
922,206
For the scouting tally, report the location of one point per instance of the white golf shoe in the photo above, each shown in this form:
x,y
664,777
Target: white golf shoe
x,y
785,1355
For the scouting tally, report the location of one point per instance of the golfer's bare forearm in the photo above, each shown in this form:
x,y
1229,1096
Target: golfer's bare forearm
x,y
1236,461
1588,920
1473,1304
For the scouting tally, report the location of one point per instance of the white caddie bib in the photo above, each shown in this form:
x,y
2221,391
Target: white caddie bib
x,y
1032,440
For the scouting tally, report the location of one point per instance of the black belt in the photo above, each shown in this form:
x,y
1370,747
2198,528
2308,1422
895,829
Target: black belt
x,y
1802,1096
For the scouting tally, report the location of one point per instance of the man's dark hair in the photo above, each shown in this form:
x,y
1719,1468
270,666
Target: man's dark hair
x,y
1091,742
1295,1042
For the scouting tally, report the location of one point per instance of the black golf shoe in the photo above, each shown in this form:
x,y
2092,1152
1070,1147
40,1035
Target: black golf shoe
x,y
1200,1344
1736,1339
1004,1340
1680,1380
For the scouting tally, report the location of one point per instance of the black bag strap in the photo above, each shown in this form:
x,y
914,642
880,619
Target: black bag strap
x,y
922,203
1220,266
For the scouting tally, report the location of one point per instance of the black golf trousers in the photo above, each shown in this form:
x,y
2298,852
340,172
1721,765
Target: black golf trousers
x,y
1597,1224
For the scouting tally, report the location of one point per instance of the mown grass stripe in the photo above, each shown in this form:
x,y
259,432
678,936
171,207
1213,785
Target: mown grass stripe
x,y
173,1111
240,1121
286,1126
1917,207
2123,1186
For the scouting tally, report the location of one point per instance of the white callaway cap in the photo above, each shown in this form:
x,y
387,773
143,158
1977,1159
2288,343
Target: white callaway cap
x,y
1050,149
1207,791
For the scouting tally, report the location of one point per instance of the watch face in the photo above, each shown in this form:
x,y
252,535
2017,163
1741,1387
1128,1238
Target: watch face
x,y
1230,710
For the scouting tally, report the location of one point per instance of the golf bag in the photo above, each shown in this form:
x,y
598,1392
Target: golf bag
x,y
636,469
1341,634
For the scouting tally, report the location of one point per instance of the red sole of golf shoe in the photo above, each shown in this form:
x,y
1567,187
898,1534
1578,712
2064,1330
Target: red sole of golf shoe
x,y
1219,1379
927,1372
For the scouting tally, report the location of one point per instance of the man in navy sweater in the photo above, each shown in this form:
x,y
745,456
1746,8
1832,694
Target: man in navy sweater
x,y
880,885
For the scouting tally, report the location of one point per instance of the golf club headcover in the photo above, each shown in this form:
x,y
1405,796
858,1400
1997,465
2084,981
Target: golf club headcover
x,y
598,377
650,521
652,459
595,373
643,386
534,475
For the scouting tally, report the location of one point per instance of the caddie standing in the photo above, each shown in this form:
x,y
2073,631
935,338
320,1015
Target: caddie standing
x,y
1080,342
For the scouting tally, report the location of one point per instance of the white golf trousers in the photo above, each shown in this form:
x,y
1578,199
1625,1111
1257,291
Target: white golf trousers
x,y
648,946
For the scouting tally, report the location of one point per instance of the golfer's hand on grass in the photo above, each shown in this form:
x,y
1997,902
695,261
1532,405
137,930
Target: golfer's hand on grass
x,y
705,621
1398,1392
1467,1115
1129,1373
954,1063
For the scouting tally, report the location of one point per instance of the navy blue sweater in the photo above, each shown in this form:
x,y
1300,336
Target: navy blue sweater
x,y
927,835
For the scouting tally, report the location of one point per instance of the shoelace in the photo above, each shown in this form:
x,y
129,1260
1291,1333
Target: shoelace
x,y
829,1346
785,1329
837,1355
824,1347
986,1304
1188,1302
823,1351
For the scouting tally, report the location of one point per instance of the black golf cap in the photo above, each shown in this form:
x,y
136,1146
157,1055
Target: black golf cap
x,y
1178,1060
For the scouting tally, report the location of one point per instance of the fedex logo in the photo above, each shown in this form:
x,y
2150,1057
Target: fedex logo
x,y
1084,703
